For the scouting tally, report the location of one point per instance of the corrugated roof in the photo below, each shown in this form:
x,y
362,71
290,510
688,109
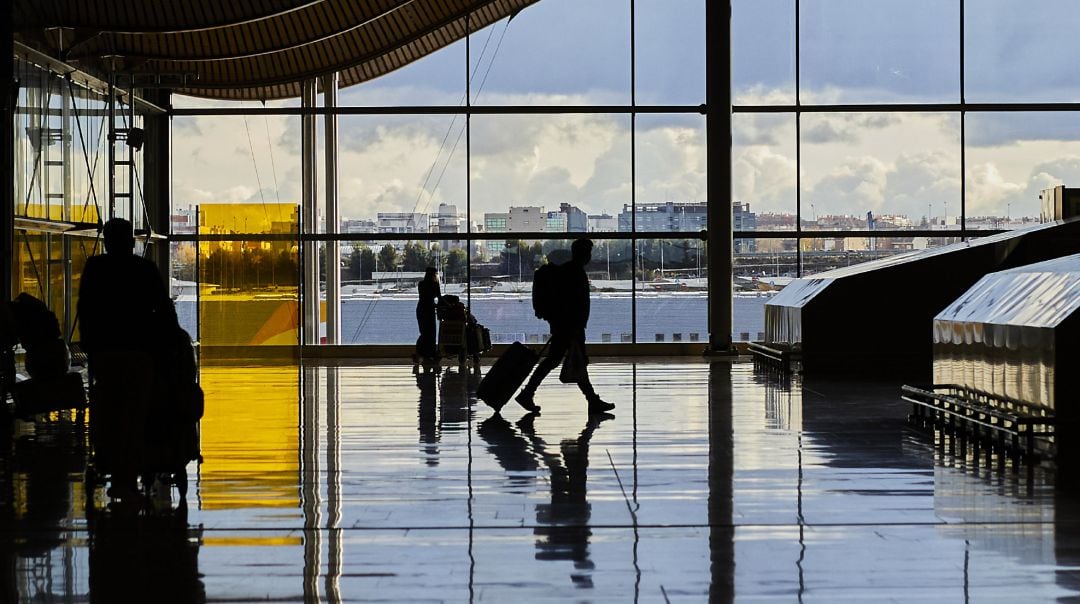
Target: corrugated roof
x,y
1037,295
249,49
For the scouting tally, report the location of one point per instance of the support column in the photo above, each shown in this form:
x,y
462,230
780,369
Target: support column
x,y
8,94
718,136
157,166
721,483
333,248
67,140
309,296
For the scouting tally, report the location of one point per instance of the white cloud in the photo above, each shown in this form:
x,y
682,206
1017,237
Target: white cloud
x,y
854,186
766,178
988,190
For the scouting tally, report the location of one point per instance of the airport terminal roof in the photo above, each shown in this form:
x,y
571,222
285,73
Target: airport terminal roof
x,y
248,49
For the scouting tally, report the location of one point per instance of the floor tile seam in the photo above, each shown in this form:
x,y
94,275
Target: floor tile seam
x,y
612,526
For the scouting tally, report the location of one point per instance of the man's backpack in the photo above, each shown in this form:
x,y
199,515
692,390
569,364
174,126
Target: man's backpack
x,y
545,293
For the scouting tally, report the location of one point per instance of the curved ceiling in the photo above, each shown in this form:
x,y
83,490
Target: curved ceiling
x,y
249,49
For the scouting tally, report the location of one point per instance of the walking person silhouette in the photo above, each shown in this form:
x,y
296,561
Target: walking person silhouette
x,y
568,316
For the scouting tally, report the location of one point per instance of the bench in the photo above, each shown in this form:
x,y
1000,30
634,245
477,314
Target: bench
x,y
780,356
985,417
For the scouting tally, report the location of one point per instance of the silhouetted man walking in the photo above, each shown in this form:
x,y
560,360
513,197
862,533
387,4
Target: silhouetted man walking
x,y
124,313
568,319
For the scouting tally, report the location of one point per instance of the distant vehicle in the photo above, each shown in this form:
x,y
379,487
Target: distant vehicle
x,y
767,283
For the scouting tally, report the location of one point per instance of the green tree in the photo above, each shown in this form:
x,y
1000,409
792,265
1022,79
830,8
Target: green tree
x,y
415,258
388,258
456,264
361,262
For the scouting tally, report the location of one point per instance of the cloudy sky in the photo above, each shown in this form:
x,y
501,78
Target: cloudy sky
x,y
853,51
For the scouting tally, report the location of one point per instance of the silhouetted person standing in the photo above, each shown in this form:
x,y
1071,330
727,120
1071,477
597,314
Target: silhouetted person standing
x,y
124,312
568,321
429,291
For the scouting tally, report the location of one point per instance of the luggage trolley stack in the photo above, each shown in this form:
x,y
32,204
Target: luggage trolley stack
x,y
460,334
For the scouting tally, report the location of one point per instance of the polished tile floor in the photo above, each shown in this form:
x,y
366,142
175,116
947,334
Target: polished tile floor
x,y
378,481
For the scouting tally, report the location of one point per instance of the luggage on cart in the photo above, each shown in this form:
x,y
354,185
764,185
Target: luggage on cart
x,y
452,338
477,339
451,307
507,375
172,432
51,386
170,425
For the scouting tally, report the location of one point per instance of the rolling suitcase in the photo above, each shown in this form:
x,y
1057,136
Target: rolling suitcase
x,y
507,375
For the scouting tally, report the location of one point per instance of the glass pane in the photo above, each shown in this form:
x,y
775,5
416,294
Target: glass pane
x,y
880,171
184,284
562,167
763,171
522,61
672,290
671,170
855,51
763,52
670,51
436,79
378,286
502,272
402,174
249,289
82,248
820,255
41,146
183,101
760,268
1019,51
30,266
89,168
252,159
1012,158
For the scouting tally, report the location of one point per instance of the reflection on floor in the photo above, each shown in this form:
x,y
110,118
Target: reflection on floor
x,y
382,481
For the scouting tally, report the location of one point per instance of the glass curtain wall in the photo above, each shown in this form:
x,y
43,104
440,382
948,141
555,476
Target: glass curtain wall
x,y
485,160
64,182
931,121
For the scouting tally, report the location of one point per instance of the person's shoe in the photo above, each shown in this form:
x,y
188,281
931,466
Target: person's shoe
x,y
596,406
595,419
525,399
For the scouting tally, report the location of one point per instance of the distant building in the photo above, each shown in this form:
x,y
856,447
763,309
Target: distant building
x,y
184,222
669,216
403,222
520,219
577,221
556,222
359,225
742,219
447,220
602,223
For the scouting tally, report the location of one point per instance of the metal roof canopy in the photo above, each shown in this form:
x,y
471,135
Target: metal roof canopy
x,y
249,49
878,316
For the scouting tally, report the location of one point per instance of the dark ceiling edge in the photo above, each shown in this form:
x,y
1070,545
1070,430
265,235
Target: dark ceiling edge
x,y
451,28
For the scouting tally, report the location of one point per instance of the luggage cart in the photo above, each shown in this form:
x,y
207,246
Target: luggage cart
x,y
172,424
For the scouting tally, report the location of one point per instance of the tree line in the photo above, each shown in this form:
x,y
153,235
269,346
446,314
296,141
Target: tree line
x,y
257,268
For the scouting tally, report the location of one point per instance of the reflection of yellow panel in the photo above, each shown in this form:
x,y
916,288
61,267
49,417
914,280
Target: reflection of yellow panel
x,y
250,437
251,541
30,264
55,211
